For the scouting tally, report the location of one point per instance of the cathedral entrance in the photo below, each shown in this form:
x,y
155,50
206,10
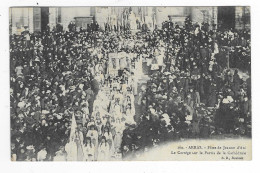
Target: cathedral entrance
x,y
226,17
44,18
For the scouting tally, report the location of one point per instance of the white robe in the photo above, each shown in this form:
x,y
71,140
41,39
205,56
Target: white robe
x,y
160,60
103,152
117,112
129,116
72,151
134,85
216,50
110,141
118,140
89,152
41,155
93,134
59,156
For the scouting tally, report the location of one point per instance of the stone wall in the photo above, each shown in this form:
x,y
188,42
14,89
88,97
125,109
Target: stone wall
x,y
163,13
242,17
68,14
31,17
53,16
204,14
21,18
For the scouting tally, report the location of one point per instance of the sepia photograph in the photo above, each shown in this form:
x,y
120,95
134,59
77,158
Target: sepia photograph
x,y
130,83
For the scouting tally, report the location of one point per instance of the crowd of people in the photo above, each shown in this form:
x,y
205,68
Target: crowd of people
x,y
73,92
57,75
193,93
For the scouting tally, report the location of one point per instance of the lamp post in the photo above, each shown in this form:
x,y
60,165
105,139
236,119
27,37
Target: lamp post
x,y
213,17
228,54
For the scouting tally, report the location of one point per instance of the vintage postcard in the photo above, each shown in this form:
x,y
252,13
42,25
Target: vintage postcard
x,y
130,83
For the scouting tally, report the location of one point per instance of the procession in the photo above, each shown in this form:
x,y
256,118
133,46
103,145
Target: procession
x,y
111,94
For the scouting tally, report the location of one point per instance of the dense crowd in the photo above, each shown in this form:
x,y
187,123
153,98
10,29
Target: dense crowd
x,y
59,75
193,94
52,77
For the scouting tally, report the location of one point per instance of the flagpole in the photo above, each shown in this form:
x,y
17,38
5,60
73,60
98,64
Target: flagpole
x,y
76,133
81,144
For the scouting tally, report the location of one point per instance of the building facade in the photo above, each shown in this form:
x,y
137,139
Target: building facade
x,y
36,19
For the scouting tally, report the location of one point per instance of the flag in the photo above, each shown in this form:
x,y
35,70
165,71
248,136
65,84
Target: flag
x,y
79,144
71,147
73,128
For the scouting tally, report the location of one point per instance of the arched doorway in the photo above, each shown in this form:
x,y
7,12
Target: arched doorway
x,y
44,18
226,17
